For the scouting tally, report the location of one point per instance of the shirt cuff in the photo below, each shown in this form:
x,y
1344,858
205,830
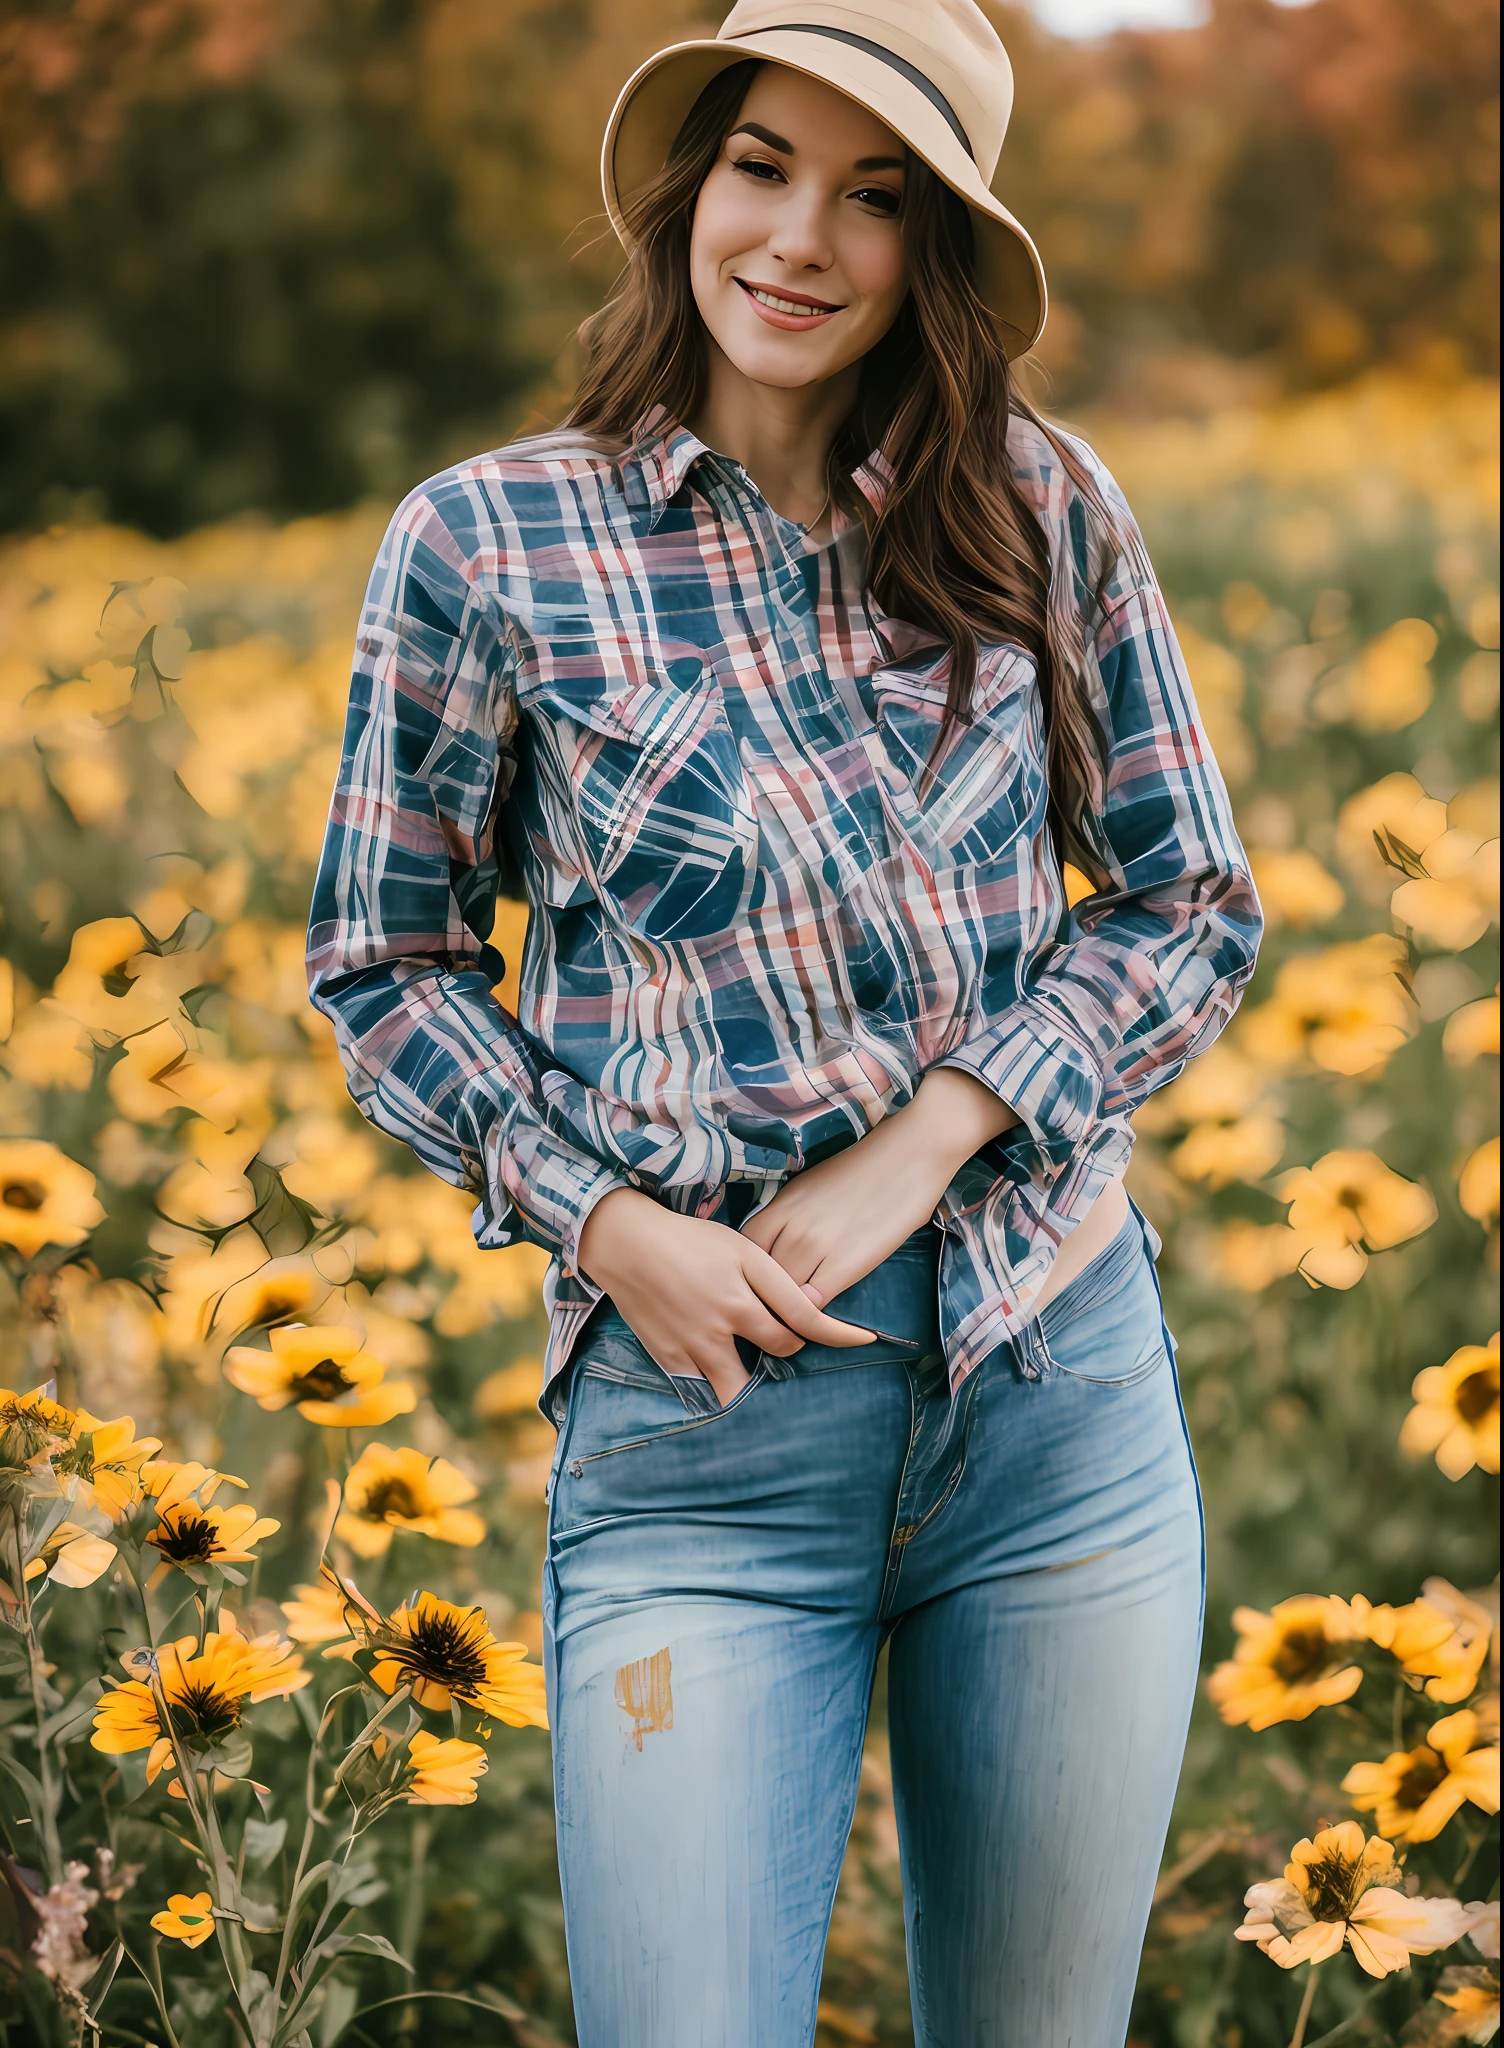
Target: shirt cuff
x,y
543,1188
1047,1076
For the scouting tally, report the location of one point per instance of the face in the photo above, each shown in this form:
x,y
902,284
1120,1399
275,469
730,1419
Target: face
x,y
796,256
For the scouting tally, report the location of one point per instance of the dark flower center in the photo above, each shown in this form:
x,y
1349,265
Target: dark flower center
x,y
1329,1888
321,1382
187,1539
274,1305
391,1497
442,1647
1301,1654
22,1433
78,1459
23,1194
1424,1773
1478,1395
203,1714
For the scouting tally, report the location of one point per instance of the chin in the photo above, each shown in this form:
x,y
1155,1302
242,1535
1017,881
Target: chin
x,y
778,361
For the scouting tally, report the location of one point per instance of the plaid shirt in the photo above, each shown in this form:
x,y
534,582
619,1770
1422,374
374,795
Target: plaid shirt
x,y
750,935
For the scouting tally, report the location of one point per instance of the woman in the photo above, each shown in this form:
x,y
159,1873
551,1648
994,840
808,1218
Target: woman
x,y
785,674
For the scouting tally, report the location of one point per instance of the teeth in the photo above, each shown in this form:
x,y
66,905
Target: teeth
x,y
781,305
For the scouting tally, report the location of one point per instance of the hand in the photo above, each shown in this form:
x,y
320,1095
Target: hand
x,y
830,1225
688,1289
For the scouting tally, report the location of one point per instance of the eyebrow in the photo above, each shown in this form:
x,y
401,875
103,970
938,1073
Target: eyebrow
x,y
786,148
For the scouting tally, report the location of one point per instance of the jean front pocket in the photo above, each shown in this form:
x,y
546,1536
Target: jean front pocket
x,y
1107,1330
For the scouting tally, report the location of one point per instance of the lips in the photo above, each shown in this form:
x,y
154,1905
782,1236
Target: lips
x,y
794,310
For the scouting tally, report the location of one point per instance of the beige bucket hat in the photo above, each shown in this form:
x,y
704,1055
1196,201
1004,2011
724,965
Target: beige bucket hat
x,y
933,70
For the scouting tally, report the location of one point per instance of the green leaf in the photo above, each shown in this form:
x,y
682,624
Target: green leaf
x,y
79,1710
30,1787
360,1945
263,1841
93,1993
231,1757
355,1884
340,2001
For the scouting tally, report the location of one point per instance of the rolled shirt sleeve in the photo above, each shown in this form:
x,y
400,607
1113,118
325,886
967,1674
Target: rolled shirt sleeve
x,y
404,900
1145,972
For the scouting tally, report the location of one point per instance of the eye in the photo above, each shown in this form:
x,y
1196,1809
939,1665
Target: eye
x,y
882,197
757,167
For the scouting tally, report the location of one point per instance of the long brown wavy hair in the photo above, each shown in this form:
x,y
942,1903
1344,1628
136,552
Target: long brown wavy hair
x,y
955,548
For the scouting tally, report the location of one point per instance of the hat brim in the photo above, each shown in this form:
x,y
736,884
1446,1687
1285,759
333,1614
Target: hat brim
x,y
652,105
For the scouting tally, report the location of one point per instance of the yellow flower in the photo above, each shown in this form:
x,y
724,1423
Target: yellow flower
x,y
316,1614
1456,1412
510,1391
107,1457
1472,1032
1414,1793
117,986
1478,1183
45,1197
1454,902
1252,1256
447,1654
324,1370
444,1773
32,1426
1472,1996
1341,1888
401,1489
1288,1662
1294,887
1218,1153
1347,1205
1470,1617
1426,1643
189,1533
70,1556
276,1290
1345,1008
206,1690
1397,808
188,1920
1392,684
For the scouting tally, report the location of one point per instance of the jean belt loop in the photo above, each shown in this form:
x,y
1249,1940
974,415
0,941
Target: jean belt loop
x,y
1032,1352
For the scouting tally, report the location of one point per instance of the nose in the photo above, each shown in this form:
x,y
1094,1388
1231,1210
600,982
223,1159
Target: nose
x,y
800,234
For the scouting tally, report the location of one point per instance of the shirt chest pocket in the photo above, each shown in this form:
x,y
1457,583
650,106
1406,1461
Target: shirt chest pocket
x,y
972,801
650,771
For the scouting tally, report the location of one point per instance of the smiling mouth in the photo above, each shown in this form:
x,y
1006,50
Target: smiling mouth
x,y
792,303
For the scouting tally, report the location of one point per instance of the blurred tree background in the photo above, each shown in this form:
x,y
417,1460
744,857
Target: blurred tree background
x,y
265,266
282,255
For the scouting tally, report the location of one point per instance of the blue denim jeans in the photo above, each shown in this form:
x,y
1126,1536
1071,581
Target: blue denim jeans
x,y
717,1587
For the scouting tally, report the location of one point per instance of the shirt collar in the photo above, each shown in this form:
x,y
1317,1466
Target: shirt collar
x,y
660,457
663,452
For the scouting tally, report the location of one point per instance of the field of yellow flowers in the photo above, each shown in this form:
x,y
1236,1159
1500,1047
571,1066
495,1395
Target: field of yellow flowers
x,y
270,1470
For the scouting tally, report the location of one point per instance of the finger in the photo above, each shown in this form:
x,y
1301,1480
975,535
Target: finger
x,y
725,1372
757,1322
792,1305
831,1278
762,1228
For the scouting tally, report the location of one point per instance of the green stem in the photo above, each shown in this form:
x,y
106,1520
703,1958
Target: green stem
x,y
310,1782
1478,1836
368,1734
413,1905
153,1979
1297,2039
52,1847
1398,1733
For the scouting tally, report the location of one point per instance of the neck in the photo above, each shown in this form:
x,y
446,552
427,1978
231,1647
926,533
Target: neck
x,y
781,437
